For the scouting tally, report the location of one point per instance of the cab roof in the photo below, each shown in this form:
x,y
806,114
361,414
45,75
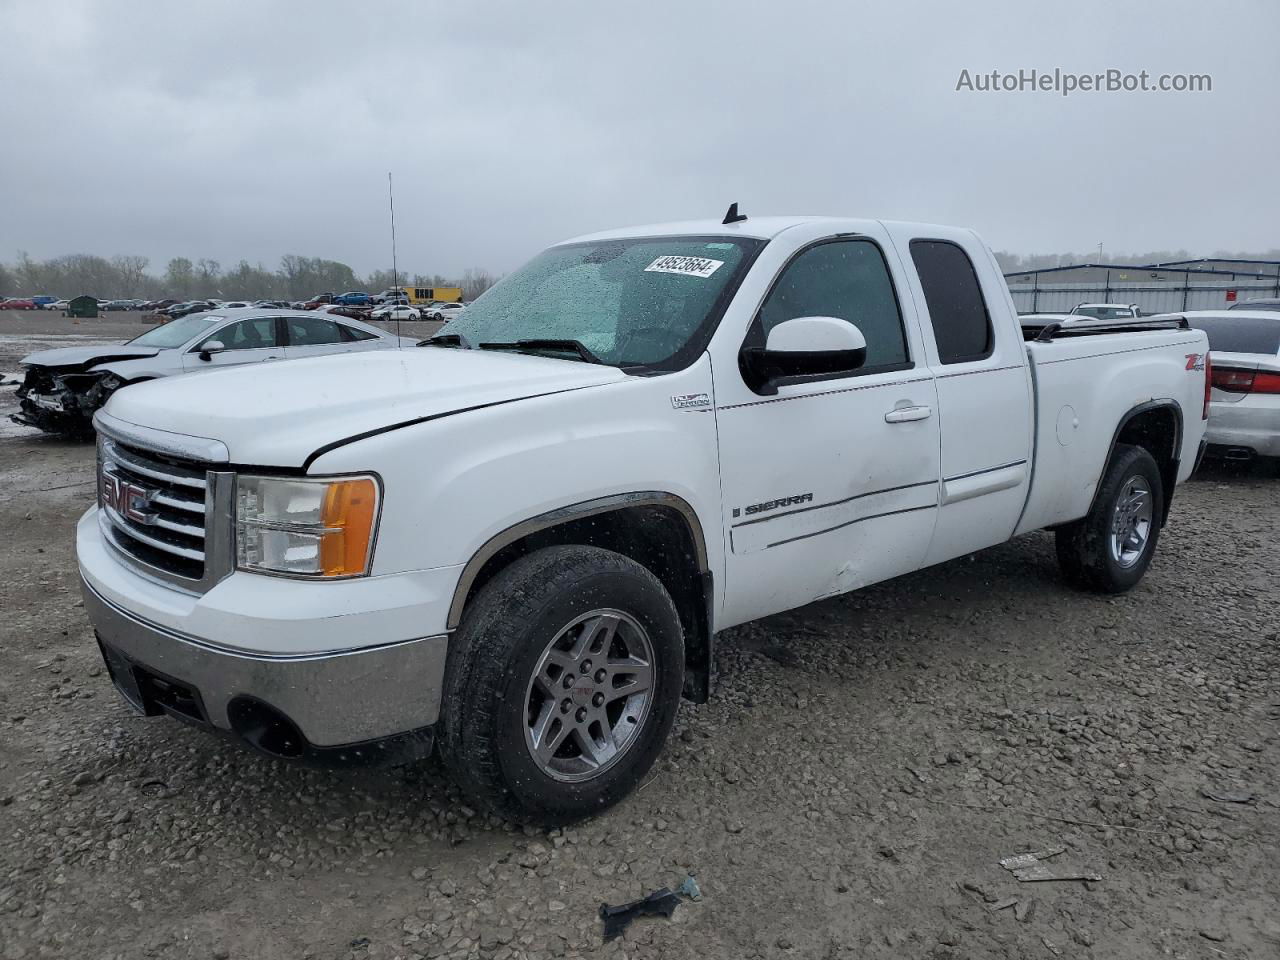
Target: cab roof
x,y
760,228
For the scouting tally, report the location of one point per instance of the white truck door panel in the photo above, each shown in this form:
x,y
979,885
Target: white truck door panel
x,y
984,390
830,484
822,495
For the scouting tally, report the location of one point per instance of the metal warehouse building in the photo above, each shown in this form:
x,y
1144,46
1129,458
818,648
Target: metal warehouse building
x,y
1155,288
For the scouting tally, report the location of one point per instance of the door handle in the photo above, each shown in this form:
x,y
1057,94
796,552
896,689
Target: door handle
x,y
907,414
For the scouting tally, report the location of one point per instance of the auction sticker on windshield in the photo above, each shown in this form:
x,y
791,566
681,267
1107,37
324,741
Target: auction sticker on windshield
x,y
689,266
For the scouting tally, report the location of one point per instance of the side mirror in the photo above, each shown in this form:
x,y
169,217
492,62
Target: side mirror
x,y
210,348
804,346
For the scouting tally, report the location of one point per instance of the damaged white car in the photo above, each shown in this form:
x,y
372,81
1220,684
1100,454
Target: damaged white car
x,y
63,388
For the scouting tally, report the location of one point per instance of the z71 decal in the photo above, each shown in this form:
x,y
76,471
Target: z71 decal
x,y
768,505
1195,361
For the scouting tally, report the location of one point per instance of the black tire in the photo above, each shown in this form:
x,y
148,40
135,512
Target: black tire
x,y
504,633
1085,551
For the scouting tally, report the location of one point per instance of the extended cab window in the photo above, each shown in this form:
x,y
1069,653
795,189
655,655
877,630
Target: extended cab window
x,y
312,332
847,279
957,310
255,334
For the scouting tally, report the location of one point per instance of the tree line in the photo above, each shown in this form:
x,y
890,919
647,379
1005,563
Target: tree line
x,y
297,277
125,276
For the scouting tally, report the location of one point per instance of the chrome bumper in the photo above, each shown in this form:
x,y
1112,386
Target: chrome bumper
x,y
343,704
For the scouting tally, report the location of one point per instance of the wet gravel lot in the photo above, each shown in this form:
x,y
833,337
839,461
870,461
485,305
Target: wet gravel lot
x,y
848,793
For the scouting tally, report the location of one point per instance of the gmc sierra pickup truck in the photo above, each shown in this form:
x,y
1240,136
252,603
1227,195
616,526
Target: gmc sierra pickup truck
x,y
516,542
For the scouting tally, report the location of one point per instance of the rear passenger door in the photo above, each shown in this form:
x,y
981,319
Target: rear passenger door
x,y
317,336
984,391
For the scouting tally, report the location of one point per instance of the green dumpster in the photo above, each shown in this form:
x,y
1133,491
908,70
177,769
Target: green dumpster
x,y
83,307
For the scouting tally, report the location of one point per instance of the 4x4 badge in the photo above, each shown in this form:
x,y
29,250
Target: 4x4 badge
x,y
686,400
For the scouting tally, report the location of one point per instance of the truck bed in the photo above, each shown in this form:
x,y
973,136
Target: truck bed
x,y
1088,379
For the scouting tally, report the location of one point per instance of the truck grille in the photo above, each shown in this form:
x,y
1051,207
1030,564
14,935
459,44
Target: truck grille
x,y
156,511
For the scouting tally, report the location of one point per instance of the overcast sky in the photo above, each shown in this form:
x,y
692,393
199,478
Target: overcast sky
x,y
253,129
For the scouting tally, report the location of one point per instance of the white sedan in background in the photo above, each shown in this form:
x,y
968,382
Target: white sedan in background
x,y
395,311
1244,406
444,311
63,388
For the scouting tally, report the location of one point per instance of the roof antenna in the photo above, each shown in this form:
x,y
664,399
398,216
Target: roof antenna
x,y
733,216
395,278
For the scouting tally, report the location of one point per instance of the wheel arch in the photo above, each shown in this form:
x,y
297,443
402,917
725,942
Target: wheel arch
x,y
659,530
1156,426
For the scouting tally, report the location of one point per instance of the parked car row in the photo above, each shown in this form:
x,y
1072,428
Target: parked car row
x,y
170,308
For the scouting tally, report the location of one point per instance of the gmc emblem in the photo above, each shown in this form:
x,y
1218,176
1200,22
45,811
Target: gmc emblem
x,y
127,499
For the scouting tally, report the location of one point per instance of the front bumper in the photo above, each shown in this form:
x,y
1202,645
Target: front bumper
x,y
356,706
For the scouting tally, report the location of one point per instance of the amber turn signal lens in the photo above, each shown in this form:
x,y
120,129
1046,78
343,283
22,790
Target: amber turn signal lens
x,y
350,509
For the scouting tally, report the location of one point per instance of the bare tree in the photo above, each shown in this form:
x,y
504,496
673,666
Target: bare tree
x,y
132,273
475,281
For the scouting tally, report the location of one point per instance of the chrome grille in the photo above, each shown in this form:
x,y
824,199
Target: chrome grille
x,y
165,516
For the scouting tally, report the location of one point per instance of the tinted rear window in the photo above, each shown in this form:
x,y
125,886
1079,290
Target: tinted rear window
x,y
957,310
1241,334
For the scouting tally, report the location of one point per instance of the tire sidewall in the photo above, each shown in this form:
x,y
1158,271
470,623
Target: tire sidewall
x,y
494,695
1131,463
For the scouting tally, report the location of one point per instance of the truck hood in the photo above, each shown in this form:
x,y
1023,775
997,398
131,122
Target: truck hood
x,y
278,414
86,357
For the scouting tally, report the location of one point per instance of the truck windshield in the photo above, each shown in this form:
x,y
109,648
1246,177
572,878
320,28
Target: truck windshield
x,y
176,332
651,301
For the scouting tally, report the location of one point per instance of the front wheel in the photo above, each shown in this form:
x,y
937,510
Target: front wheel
x,y
562,685
1110,549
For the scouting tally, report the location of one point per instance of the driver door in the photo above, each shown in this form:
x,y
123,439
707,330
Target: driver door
x,y
245,341
831,482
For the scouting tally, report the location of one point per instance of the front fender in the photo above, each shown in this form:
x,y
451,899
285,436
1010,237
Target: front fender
x,y
451,485
129,370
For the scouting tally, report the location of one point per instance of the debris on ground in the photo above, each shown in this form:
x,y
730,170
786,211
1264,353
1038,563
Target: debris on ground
x,y
660,903
1021,860
1024,911
690,889
1004,904
1226,796
1029,868
1039,872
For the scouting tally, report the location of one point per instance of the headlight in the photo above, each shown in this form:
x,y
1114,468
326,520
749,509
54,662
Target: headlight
x,y
305,527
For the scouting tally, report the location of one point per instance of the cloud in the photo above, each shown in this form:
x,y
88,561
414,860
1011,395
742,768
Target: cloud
x,y
249,130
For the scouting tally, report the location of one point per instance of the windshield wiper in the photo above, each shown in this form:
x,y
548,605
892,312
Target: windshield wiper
x,y
570,346
446,340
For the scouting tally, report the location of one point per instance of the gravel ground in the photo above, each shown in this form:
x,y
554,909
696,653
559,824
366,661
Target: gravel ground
x,y
848,792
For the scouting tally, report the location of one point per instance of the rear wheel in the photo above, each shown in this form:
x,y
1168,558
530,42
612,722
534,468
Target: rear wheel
x,y
562,685
1110,549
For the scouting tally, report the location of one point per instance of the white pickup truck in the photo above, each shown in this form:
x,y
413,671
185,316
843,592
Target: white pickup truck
x,y
517,541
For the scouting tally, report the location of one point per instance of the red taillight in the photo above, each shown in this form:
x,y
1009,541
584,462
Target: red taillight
x,y
1233,381
1246,381
1208,383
